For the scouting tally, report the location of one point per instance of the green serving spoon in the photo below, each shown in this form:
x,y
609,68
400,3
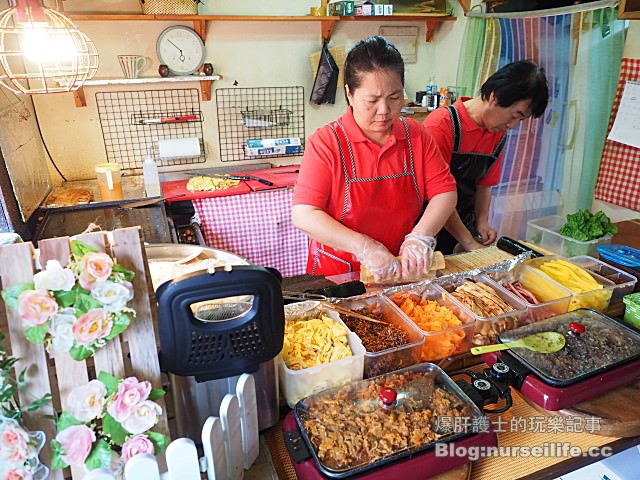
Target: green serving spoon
x,y
545,342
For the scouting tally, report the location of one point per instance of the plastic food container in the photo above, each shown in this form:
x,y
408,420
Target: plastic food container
x,y
486,329
623,257
297,384
545,232
389,359
363,425
441,343
595,343
553,300
624,283
632,309
596,299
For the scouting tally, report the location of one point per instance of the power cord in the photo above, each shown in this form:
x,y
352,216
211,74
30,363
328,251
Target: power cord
x,y
35,114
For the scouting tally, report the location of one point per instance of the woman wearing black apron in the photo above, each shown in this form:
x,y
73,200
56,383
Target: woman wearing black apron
x,y
472,133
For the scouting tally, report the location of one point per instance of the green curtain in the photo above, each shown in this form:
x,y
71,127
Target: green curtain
x,y
595,75
468,75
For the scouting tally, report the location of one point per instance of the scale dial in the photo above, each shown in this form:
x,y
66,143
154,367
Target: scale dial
x,y
181,49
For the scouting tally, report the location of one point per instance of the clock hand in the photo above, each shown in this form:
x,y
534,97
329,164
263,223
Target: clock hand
x,y
175,46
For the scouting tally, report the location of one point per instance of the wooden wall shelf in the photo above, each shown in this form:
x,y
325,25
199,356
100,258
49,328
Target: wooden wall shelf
x,y
205,84
327,23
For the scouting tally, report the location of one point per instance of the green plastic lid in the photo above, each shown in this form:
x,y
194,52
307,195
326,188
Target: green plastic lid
x,y
632,299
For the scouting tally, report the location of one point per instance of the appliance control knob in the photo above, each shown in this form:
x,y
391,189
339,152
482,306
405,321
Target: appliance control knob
x,y
500,370
388,396
481,384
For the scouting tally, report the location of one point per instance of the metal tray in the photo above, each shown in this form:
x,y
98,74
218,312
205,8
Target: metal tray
x,y
560,324
439,378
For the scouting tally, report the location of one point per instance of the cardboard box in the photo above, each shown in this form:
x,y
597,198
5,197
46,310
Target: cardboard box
x,y
388,9
343,8
365,10
272,142
277,150
378,10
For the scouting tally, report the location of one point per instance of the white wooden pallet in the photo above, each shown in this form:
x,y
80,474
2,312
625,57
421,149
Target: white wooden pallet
x,y
59,373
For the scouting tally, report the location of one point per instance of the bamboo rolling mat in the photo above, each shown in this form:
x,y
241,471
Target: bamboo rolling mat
x,y
481,258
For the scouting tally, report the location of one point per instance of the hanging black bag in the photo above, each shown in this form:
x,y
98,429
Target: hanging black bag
x,y
326,82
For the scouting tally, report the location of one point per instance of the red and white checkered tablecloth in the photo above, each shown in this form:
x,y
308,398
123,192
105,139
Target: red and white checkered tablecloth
x,y
256,226
619,176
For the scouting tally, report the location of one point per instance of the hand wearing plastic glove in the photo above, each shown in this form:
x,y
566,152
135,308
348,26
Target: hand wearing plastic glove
x,y
379,261
416,253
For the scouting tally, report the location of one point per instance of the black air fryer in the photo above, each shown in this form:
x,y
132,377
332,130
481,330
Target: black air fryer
x,y
237,327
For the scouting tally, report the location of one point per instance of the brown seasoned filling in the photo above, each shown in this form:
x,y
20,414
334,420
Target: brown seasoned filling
x,y
350,428
376,336
599,346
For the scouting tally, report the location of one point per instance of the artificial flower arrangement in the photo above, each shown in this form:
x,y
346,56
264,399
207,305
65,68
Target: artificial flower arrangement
x,y
78,308
19,448
106,415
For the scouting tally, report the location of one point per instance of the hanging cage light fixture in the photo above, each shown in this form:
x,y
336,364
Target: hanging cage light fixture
x,y
42,51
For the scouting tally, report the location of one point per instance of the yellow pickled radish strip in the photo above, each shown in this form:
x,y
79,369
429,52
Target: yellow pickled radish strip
x,y
543,290
571,276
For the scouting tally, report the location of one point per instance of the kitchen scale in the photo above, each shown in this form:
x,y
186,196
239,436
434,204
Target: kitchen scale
x,y
371,401
605,355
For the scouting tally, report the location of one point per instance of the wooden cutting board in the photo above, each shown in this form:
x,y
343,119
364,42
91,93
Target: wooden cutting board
x,y
178,188
281,177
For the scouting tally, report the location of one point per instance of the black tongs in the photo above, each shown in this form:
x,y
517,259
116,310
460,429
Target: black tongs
x,y
245,177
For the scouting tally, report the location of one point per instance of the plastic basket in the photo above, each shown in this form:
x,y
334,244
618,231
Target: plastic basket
x,y
170,7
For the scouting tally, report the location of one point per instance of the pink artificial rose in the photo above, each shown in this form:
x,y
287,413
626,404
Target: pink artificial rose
x,y
130,394
36,307
18,474
13,444
98,265
135,446
76,441
92,326
86,281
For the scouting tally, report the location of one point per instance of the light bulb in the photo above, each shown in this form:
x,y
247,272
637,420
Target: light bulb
x,y
44,45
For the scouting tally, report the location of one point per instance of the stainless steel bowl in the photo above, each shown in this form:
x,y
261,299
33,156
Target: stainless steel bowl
x,y
172,252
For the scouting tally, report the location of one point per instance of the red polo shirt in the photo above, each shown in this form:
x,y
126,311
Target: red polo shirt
x,y
474,139
321,180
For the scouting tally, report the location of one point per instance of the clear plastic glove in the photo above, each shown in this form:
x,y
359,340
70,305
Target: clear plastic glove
x,y
379,261
416,253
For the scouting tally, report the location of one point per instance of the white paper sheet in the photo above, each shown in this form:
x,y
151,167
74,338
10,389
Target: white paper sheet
x,y
626,126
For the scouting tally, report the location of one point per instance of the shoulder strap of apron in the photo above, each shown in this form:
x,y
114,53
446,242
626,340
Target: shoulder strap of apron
x,y
457,129
498,150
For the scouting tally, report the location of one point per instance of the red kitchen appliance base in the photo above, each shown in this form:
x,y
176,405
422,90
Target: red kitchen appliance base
x,y
557,398
423,465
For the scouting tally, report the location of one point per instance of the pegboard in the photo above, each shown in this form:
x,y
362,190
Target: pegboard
x,y
258,113
133,123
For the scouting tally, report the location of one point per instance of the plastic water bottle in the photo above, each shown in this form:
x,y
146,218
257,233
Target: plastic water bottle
x,y
432,94
151,177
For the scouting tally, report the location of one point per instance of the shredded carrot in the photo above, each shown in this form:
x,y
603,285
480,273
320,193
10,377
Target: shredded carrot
x,y
432,317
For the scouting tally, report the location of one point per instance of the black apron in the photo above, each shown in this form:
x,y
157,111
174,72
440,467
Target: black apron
x,y
467,168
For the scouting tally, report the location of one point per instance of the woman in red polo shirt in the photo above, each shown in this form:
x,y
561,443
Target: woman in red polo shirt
x,y
366,177
471,134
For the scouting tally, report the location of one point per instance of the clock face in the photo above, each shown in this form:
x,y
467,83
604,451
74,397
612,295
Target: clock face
x,y
181,49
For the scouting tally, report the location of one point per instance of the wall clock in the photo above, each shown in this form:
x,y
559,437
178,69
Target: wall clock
x,y
181,49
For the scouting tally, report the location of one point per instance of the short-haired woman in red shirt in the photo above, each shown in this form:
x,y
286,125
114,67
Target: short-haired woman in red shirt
x,y
366,177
